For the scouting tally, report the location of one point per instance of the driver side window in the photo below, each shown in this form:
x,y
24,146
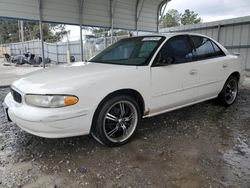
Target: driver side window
x,y
175,51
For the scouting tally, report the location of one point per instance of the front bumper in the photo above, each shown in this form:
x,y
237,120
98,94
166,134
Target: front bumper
x,y
49,122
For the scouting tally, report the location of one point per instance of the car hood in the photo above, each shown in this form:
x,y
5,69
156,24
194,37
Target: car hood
x,y
66,77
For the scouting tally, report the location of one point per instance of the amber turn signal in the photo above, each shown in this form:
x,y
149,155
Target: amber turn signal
x,y
70,100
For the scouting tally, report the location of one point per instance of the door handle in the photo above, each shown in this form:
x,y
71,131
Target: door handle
x,y
225,65
193,72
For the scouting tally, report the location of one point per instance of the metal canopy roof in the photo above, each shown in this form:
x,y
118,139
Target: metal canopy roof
x,y
136,15
121,14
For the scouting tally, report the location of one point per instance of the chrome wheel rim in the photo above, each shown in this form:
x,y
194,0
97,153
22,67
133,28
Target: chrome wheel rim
x,y
231,91
120,121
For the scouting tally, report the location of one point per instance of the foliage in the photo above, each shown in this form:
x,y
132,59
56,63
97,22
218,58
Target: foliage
x,y
174,18
171,18
9,31
98,31
190,17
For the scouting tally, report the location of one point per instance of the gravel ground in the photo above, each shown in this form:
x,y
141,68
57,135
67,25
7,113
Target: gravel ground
x,y
204,145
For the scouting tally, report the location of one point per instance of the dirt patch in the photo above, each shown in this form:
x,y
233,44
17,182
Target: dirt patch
x,y
204,145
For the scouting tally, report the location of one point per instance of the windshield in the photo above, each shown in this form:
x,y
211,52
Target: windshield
x,y
130,51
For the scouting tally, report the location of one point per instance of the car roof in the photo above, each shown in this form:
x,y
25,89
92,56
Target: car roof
x,y
172,34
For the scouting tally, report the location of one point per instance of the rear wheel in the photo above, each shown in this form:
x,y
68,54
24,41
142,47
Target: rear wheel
x,y
116,121
229,92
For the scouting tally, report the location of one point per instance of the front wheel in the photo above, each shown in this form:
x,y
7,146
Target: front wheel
x,y
116,121
229,92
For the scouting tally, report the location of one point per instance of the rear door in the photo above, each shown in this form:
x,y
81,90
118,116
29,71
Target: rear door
x,y
210,64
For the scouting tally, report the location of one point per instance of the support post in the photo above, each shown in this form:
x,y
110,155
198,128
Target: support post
x,y
68,50
218,34
160,13
105,40
81,44
33,43
138,13
57,55
81,2
136,16
112,7
41,30
111,33
22,36
47,49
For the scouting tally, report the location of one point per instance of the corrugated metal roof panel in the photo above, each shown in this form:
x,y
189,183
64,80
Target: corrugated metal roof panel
x,y
95,12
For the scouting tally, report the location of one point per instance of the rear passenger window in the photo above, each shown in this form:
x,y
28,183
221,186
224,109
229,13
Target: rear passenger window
x,y
204,48
218,51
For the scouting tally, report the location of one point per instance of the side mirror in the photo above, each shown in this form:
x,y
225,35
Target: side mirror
x,y
163,61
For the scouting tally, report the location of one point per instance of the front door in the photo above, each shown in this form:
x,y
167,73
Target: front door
x,y
174,79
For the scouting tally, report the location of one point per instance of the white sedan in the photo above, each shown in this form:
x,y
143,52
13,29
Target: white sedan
x,y
134,78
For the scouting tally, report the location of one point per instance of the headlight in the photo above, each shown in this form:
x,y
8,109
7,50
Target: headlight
x,y
50,101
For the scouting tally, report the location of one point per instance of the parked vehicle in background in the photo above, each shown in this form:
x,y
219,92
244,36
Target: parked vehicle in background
x,y
134,78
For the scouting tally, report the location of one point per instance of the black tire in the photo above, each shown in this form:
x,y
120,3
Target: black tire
x,y
227,92
104,125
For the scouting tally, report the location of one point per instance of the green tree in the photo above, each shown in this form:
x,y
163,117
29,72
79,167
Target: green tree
x,y
190,17
9,31
98,30
174,18
51,32
102,31
171,18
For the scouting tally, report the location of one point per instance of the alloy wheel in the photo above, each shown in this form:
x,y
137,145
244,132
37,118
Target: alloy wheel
x,y
231,91
120,121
